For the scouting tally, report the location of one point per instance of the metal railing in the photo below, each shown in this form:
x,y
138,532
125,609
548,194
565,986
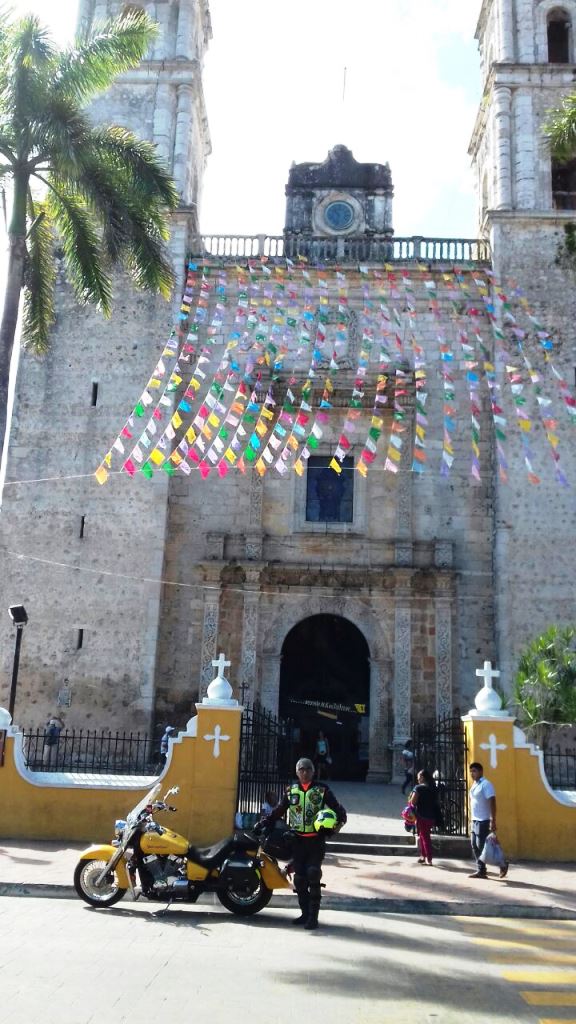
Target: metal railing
x,y
560,767
358,249
266,760
440,746
92,751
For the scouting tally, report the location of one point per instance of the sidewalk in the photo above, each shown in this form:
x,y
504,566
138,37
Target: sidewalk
x,y
359,883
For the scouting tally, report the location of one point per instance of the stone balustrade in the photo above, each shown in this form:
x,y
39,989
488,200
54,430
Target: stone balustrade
x,y
354,249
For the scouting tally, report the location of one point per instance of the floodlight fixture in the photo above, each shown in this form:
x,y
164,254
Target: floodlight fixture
x,y
18,614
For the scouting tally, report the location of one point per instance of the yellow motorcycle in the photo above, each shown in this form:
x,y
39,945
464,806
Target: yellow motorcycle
x,y
152,861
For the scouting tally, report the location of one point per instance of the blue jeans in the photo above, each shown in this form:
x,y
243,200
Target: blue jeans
x,y
478,834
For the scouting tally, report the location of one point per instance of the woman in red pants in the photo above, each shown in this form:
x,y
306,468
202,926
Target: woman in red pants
x,y
424,797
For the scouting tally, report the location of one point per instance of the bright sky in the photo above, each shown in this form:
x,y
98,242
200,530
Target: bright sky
x,y
274,81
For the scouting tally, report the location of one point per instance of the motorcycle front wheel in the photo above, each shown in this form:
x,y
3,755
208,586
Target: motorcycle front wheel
x,y
244,904
104,895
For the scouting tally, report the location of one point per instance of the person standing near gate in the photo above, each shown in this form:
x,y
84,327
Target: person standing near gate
x,y
305,800
483,817
54,727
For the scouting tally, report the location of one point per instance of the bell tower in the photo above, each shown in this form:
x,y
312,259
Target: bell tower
x,y
88,565
528,60
527,208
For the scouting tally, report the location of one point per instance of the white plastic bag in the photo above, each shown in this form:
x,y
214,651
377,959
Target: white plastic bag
x,y
493,855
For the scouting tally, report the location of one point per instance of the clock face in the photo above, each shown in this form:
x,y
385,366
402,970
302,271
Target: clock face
x,y
339,215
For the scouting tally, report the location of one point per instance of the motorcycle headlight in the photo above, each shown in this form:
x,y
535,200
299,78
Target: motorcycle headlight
x,y
119,826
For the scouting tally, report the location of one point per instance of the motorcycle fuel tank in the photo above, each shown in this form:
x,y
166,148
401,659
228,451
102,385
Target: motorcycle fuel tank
x,y
163,844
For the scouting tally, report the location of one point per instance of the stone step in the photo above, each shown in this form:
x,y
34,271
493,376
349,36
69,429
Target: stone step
x,y
402,839
357,844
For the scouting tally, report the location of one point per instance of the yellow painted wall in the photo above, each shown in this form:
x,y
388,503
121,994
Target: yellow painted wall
x,y
532,823
206,802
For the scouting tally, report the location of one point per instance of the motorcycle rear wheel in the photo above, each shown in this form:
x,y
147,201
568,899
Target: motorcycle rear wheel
x,y
243,905
104,895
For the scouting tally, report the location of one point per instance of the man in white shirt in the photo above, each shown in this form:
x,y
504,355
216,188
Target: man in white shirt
x,y
483,817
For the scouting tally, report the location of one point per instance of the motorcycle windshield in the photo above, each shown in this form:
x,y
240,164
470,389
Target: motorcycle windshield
x,y
132,817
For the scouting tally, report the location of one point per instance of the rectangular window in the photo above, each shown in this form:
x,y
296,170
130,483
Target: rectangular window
x,y
82,525
329,495
80,640
94,393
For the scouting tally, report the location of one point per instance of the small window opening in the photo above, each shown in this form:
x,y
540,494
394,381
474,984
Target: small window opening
x,y
329,495
94,393
80,640
82,525
564,185
558,27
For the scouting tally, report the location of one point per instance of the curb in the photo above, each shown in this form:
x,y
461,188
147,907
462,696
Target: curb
x,y
344,904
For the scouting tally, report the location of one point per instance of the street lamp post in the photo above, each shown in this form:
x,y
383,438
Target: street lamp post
x,y
17,613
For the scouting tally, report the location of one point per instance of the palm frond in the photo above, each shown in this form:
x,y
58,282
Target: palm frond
x,y
94,62
137,160
82,250
59,132
148,263
39,280
28,60
560,129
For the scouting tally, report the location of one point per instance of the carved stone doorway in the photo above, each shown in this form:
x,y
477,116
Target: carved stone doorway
x,y
325,686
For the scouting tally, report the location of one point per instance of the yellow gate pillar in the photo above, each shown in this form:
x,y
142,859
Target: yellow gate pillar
x,y
490,738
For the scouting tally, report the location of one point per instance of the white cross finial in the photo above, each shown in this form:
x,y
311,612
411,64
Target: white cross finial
x,y
493,747
220,664
217,737
487,673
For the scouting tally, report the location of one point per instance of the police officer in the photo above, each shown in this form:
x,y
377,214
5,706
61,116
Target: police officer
x,y
304,800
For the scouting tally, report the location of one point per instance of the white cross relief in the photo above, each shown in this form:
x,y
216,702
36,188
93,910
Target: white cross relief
x,y
493,747
487,674
217,737
220,664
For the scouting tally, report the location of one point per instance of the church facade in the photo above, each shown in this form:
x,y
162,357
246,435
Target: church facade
x,y
352,602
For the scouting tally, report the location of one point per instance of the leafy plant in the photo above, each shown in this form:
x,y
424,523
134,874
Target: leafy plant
x,y
545,683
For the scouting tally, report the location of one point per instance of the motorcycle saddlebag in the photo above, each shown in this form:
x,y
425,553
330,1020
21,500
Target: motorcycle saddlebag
x,y
240,873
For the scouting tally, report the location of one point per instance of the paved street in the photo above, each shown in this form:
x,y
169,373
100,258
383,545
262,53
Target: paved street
x,y
62,962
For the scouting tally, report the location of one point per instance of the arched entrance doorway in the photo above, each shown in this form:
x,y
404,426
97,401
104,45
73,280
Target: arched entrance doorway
x,y
325,685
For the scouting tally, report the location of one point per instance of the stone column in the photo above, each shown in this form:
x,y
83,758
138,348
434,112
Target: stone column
x,y
185,36
443,607
248,666
525,134
270,688
506,31
402,666
184,115
502,102
377,743
209,628
163,121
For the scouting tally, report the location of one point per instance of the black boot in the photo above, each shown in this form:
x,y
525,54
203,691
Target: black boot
x,y
312,922
304,905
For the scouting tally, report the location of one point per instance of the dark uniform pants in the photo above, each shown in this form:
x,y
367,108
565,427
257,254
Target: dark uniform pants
x,y
308,854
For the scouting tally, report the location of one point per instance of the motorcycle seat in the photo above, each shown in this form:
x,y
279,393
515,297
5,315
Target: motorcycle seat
x,y
211,856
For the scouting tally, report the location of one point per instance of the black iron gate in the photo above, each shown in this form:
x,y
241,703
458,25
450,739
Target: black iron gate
x,y
266,760
440,746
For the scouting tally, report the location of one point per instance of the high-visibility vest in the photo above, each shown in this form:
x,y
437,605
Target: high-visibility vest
x,y
304,806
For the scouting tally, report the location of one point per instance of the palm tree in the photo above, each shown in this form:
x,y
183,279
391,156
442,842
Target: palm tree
x,y
97,193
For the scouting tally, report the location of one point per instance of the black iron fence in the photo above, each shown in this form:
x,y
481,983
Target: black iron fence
x,y
560,767
266,760
93,751
440,746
